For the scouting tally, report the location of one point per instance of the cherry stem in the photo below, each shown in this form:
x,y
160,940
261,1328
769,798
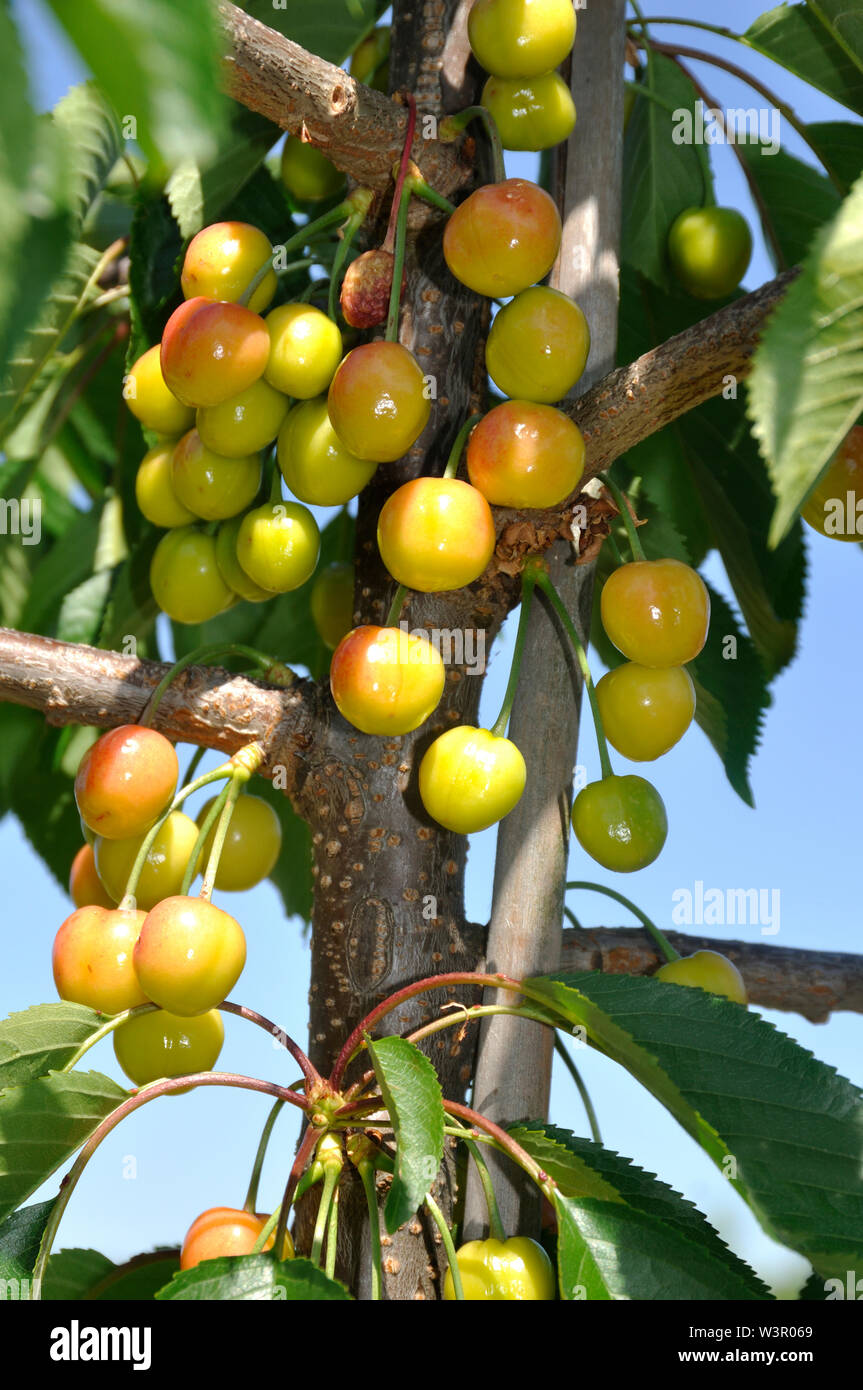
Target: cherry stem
x,y
349,232
217,775
366,1171
229,798
397,605
420,189
354,1042
266,1231
623,507
303,1154
332,1173
194,763
251,1201
446,1236
165,1087
402,173
466,1014
544,583
392,330
529,580
309,1070
199,657
659,937
504,1141
206,826
307,233
614,548
496,1226
457,449
102,1032
565,1057
452,126
332,1235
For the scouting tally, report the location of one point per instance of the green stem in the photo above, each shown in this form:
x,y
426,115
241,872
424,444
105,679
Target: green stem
x,y
564,1056
367,1174
206,826
452,126
496,1227
544,583
194,763
332,1236
529,580
251,1201
321,224
659,937
626,514
102,1032
397,605
266,1231
199,657
231,794
218,773
392,330
349,232
614,548
332,1173
466,1014
642,22
457,449
689,23
446,1237
301,1158
571,917
420,189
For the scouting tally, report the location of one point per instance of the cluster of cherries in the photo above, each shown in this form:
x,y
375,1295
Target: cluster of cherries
x,y
521,43
156,944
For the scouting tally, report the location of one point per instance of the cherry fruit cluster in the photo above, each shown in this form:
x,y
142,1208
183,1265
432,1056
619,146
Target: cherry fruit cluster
x,y
521,43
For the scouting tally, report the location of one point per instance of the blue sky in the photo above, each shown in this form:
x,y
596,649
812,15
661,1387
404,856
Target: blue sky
x,y
176,1157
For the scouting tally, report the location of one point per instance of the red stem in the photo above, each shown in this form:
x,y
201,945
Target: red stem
x,y
515,1151
304,1153
308,1069
389,239
457,977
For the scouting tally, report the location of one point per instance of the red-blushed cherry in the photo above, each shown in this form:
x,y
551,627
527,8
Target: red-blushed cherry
x,y
503,238
189,955
222,260
524,455
125,780
377,401
85,886
385,680
227,1231
212,350
436,534
92,959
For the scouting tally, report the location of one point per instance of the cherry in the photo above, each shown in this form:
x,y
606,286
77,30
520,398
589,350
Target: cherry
x,y
92,959
211,486
469,778
645,710
831,507
531,113
305,350
244,424
315,463
189,955
656,612
503,238
213,350
377,401
164,867
366,288
278,545
307,174
503,1270
709,250
154,491
385,680
525,455
185,576
370,59
149,399
436,534
221,261
252,845
158,1044
85,886
230,568
620,822
707,970
332,602
521,38
538,346
227,1231
125,780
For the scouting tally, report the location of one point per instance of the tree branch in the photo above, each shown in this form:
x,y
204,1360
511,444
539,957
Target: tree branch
x,y
359,129
206,705
812,983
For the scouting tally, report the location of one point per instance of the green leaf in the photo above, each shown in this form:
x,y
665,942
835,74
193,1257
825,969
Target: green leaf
x,y
199,196
255,1278
43,1038
158,64
606,1250
661,176
20,1238
841,143
44,803
798,198
87,1274
81,611
70,1274
806,384
731,694
330,28
68,563
43,1122
785,1128
796,37
154,272
412,1095
582,1169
